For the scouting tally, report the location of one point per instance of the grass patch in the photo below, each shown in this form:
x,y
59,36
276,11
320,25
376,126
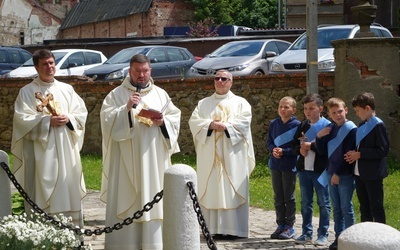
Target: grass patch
x,y
261,193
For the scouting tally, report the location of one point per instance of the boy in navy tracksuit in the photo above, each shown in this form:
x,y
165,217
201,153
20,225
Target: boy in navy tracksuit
x,y
282,164
335,141
372,144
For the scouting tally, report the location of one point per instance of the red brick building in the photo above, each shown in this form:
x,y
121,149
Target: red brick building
x,y
124,18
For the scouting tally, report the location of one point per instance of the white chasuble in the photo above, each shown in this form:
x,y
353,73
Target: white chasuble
x,y
135,157
47,161
224,163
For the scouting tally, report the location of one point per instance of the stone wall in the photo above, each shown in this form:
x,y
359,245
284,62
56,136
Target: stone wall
x,y
263,93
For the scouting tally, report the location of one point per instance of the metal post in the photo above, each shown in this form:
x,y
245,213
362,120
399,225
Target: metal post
x,y
180,226
279,14
312,46
5,190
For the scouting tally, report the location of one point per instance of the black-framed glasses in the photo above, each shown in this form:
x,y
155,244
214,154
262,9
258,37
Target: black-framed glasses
x,y
224,79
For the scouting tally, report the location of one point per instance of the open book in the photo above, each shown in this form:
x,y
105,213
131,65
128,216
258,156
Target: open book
x,y
152,113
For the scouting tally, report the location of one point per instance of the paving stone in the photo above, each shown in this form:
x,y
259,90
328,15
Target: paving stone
x,y
262,224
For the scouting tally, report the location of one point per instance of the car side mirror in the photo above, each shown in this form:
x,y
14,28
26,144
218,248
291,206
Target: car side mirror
x,y
153,60
270,54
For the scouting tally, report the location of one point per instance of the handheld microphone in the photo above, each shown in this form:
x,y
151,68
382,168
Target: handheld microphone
x,y
138,89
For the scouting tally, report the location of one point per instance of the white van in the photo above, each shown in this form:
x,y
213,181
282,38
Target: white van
x,y
293,60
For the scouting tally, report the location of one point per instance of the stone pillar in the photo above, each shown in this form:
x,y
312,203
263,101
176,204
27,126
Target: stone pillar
x,y
180,227
5,190
364,14
370,65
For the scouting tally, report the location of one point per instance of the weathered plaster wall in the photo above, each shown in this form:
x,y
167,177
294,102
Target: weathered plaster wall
x,y
371,65
13,21
37,21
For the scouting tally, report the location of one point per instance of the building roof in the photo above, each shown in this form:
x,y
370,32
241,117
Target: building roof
x,y
93,11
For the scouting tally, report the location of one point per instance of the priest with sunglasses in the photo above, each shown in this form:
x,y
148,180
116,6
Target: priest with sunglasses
x,y
220,125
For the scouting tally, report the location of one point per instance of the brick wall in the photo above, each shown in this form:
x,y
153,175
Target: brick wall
x,y
161,14
263,93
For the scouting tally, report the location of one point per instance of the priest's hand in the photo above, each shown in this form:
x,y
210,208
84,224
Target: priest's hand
x,y
158,122
58,121
134,99
217,125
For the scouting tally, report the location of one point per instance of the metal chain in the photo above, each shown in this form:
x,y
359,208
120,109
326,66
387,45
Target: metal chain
x,y
196,205
78,231
88,232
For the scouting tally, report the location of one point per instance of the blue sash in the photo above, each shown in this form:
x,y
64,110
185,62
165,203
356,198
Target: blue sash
x,y
285,137
341,134
364,129
315,128
323,179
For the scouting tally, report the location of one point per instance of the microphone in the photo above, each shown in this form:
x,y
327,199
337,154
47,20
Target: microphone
x,y
138,89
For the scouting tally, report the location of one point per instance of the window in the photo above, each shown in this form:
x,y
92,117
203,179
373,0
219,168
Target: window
x,y
271,46
74,60
15,58
3,56
282,47
92,58
157,56
174,55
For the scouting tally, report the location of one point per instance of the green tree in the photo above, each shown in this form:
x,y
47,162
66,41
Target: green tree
x,y
221,11
260,13
251,13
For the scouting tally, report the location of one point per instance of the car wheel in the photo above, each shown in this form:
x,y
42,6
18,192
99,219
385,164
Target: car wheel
x,y
259,73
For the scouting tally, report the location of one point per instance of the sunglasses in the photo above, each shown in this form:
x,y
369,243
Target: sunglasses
x,y
221,78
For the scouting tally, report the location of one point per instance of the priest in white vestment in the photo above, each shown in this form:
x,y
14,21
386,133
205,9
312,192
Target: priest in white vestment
x,y
48,130
220,126
136,152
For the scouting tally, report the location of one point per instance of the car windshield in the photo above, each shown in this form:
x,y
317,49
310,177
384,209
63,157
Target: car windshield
x,y
238,49
58,56
325,36
124,56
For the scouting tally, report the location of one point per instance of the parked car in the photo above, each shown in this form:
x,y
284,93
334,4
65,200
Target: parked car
x,y
68,62
12,57
294,59
167,62
241,58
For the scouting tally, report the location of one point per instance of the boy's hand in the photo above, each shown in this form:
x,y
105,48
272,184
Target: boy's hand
x,y
304,147
303,152
323,132
277,152
352,156
335,179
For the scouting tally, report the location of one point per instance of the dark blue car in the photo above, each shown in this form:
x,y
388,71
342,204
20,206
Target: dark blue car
x,y
12,57
167,62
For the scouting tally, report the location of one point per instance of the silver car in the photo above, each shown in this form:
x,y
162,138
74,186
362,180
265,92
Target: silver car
x,y
241,58
294,59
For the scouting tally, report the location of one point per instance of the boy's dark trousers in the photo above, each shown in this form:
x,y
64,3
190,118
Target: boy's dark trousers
x,y
370,196
284,185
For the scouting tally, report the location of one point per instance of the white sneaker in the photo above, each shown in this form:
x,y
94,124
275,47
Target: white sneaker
x,y
303,239
321,241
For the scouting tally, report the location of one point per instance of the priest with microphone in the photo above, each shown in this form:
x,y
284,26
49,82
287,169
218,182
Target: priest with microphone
x,y
136,152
